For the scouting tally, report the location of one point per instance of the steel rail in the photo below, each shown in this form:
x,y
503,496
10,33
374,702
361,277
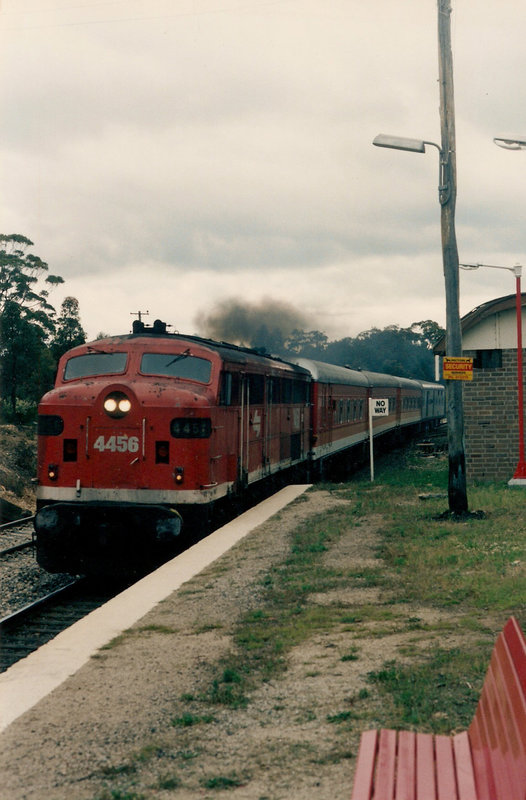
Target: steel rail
x,y
16,522
15,547
15,616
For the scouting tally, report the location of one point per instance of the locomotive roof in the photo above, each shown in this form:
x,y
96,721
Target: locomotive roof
x,y
228,352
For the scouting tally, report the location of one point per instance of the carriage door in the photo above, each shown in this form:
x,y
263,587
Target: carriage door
x,y
253,442
331,413
267,427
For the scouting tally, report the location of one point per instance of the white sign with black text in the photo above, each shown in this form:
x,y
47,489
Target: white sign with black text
x,y
378,407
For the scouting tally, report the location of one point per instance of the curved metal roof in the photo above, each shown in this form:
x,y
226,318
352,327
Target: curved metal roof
x,y
480,313
330,373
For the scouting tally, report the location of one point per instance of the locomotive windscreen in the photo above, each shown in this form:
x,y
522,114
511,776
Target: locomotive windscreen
x,y
95,364
177,365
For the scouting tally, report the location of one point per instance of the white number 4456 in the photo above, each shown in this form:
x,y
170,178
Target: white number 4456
x,y
117,444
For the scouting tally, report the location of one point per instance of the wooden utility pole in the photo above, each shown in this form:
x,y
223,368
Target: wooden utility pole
x,y
458,501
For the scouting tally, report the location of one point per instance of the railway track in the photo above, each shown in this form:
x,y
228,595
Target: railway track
x,y
28,628
38,606
12,532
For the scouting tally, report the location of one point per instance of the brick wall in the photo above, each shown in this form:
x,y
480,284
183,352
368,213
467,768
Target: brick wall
x,y
490,420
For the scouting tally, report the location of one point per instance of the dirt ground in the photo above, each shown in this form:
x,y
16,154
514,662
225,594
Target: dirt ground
x,y
17,468
107,733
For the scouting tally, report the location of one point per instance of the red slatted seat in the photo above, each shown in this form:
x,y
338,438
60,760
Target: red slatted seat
x,y
486,762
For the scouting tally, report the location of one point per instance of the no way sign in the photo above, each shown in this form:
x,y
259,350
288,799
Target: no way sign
x,y
379,406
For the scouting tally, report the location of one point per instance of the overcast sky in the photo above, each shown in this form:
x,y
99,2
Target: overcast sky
x,y
165,155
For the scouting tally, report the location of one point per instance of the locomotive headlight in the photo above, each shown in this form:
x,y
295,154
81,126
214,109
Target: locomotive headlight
x,y
117,405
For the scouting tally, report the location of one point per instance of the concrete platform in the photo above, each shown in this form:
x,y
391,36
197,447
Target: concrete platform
x,y
30,680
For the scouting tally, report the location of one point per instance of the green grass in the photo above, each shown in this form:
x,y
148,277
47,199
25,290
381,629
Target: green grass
x,y
470,568
435,694
477,564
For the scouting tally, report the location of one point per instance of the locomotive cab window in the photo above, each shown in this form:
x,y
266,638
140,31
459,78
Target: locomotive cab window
x,y
229,389
177,365
92,364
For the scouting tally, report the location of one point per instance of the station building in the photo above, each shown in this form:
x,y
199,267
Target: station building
x,y
489,336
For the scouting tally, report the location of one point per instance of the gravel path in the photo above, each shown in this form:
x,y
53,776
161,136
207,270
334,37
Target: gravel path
x,y
108,733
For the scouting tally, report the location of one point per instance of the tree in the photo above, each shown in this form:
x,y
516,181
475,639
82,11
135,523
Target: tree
x,y
308,344
20,273
26,321
26,365
68,330
393,350
429,331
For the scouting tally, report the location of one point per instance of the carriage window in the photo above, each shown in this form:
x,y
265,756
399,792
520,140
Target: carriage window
x,y
300,392
275,390
177,365
95,364
286,391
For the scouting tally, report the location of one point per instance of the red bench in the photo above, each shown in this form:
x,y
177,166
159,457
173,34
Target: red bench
x,y
486,762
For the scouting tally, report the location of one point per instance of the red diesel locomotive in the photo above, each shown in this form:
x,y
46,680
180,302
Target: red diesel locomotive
x,y
144,432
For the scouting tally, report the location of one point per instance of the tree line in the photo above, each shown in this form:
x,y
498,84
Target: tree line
x,y
32,335
406,352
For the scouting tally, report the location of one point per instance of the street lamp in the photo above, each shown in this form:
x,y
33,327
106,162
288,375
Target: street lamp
x,y
510,143
519,477
517,143
416,146
457,494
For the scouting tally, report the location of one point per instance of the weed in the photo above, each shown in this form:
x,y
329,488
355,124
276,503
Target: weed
x,y
222,781
119,769
352,655
188,720
342,716
333,757
116,641
186,755
117,794
168,781
148,752
207,627
154,629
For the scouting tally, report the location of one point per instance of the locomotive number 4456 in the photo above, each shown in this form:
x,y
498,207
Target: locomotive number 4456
x,y
117,444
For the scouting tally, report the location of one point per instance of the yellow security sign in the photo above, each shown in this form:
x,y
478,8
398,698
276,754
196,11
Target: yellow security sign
x,y
458,369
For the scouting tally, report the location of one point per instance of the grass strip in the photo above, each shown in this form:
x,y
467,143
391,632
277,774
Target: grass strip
x,y
475,569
